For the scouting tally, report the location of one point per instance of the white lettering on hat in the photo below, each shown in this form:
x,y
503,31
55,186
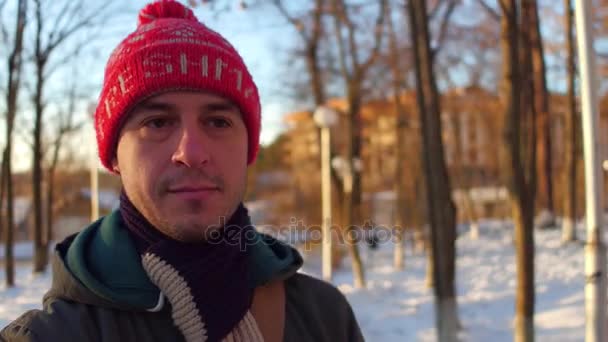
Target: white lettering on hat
x,y
162,64
239,78
248,92
205,66
136,38
183,60
108,110
158,60
219,65
121,81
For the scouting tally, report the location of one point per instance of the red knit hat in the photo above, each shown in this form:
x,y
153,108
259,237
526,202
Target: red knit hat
x,y
172,50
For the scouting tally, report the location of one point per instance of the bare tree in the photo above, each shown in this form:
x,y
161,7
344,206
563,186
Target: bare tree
x,y
73,17
463,175
541,96
398,82
311,35
569,175
353,71
520,172
15,63
441,209
66,126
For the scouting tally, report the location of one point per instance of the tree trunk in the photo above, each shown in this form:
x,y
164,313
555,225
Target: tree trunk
x,y
524,306
352,189
50,194
541,99
350,234
521,191
400,150
316,82
463,177
399,248
353,72
9,259
470,208
15,62
9,225
2,195
420,242
40,58
442,212
39,249
569,221
419,214
429,280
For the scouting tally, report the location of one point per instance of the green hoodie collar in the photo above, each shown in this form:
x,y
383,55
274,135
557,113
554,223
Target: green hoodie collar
x,y
104,259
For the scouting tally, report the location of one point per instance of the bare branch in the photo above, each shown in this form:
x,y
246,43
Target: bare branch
x,y
341,50
354,49
64,34
68,56
62,13
3,30
22,131
495,15
435,10
316,28
297,23
444,26
378,34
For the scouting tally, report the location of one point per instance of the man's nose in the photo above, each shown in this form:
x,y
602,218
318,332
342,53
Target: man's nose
x,y
192,148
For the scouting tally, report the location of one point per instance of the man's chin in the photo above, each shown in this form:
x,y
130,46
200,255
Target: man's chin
x,y
194,231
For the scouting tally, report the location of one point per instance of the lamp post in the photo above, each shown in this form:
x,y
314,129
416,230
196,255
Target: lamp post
x,y
94,173
94,189
595,250
325,118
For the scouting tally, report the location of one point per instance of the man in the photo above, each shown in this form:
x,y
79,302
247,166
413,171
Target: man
x,y
178,120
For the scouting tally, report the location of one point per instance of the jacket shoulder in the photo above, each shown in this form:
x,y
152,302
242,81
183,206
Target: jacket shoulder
x,y
316,289
60,320
324,306
19,329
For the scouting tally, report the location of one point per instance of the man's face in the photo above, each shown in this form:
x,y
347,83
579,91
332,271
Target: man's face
x,y
182,159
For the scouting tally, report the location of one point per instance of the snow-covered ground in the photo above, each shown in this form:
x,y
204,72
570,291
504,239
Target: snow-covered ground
x,y
397,306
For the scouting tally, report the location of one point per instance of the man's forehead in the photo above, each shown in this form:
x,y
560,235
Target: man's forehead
x,y
204,99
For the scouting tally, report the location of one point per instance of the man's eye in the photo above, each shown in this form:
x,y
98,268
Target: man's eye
x,y
219,123
158,123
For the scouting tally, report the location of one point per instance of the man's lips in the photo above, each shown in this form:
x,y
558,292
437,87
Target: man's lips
x,y
192,189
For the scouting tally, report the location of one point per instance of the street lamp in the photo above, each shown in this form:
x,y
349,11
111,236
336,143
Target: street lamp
x,y
94,172
595,249
325,118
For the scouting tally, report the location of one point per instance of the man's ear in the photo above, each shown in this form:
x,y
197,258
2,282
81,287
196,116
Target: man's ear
x,y
115,167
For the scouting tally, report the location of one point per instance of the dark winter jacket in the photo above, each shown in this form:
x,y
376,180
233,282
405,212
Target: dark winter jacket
x,y
100,292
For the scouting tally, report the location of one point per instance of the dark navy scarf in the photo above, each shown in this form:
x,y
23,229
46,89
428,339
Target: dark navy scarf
x,y
216,270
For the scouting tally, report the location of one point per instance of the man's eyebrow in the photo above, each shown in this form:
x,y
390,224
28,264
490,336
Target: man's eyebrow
x,y
220,107
153,105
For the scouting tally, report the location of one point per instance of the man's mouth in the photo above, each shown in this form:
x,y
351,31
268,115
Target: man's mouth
x,y
193,191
